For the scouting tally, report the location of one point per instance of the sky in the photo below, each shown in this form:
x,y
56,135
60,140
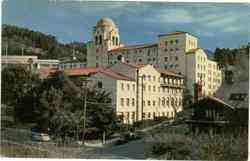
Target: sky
x,y
216,25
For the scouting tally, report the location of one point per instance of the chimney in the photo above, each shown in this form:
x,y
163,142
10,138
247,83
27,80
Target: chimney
x,y
197,92
229,75
121,58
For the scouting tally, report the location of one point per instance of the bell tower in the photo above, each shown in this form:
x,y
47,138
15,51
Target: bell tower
x,y
105,37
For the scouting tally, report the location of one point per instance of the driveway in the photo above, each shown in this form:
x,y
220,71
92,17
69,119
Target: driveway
x,y
132,150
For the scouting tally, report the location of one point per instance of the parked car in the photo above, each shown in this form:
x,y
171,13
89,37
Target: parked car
x,y
41,137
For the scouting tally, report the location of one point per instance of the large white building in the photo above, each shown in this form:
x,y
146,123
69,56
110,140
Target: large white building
x,y
141,91
33,61
177,51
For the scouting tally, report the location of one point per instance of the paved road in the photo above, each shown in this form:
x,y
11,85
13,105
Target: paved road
x,y
131,150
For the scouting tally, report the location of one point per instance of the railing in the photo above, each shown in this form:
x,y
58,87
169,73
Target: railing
x,y
164,84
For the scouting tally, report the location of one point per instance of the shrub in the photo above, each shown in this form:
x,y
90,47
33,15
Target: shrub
x,y
202,147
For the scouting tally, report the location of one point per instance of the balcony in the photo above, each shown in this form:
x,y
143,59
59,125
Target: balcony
x,y
172,85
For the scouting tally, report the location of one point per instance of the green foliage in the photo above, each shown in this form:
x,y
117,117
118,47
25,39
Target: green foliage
x,y
17,38
55,104
169,146
17,82
226,56
100,112
15,150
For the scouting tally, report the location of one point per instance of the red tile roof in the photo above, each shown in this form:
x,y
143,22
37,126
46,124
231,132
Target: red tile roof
x,y
44,72
192,51
169,73
113,74
125,48
133,65
81,71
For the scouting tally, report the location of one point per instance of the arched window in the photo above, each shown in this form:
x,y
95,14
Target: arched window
x,y
119,57
116,40
113,40
100,39
96,40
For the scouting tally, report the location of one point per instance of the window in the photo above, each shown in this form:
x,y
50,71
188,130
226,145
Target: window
x,y
166,59
99,84
163,101
153,103
168,101
171,42
166,43
176,58
122,86
176,41
149,78
113,40
127,101
133,116
133,102
96,40
100,40
140,60
133,87
149,103
128,87
149,88
149,115
154,89
122,101
116,40
154,78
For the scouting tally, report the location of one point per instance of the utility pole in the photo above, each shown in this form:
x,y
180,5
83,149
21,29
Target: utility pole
x,y
137,94
6,53
84,86
22,51
142,77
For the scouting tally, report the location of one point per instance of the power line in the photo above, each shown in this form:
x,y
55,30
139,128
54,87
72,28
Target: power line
x,y
97,103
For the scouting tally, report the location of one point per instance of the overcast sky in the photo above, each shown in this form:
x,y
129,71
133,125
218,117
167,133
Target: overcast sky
x,y
216,25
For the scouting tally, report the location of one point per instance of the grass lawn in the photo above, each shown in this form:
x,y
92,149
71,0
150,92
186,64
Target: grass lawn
x,y
14,150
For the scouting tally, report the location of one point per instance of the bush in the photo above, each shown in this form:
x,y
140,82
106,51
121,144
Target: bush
x,y
13,150
202,147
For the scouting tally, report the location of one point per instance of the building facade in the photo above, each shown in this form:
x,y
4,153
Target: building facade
x,y
170,51
141,91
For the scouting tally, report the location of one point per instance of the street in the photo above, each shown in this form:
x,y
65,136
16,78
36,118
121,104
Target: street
x,y
132,150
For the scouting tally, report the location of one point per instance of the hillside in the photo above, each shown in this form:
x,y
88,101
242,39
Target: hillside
x,y
27,42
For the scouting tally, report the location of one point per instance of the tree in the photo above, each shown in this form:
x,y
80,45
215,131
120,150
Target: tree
x,y
17,81
60,108
101,113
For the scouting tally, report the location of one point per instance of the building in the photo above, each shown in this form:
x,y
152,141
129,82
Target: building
x,y
42,66
228,109
30,60
141,91
201,69
213,115
177,51
48,63
73,63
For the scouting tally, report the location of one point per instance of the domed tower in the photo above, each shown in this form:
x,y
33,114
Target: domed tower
x,y
105,37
